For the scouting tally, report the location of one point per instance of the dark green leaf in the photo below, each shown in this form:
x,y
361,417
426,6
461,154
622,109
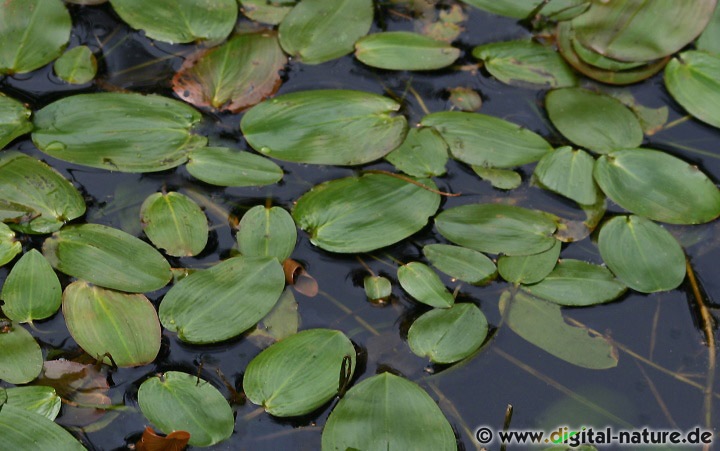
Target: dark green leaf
x,y
20,356
282,321
423,154
424,285
266,11
568,172
77,65
403,50
499,178
228,167
460,262
267,232
32,290
38,399
9,246
21,429
529,268
14,120
521,9
175,223
693,79
377,288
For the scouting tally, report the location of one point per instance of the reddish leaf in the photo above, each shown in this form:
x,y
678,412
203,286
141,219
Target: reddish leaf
x,y
152,441
296,276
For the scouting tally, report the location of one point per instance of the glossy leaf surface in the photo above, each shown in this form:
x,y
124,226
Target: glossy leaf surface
x,y
460,262
529,268
175,223
267,232
568,172
424,285
404,50
32,290
76,66
229,167
17,425
423,154
693,79
14,120
20,356
38,399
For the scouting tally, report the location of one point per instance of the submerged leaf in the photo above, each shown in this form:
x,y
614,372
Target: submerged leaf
x,y
228,167
151,441
424,285
20,356
282,321
403,50
32,290
465,99
693,79
174,222
267,232
77,65
14,120
461,263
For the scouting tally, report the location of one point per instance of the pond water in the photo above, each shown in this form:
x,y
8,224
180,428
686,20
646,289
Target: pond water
x,y
662,350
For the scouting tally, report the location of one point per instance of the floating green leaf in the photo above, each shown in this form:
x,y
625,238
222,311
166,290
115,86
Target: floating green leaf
x,y
387,412
123,327
316,31
568,172
499,178
174,222
77,65
32,33
228,167
541,323
642,254
234,76
108,258
529,268
578,284
658,186
14,120
20,356
266,11
521,9
525,63
424,285
22,429
498,228
267,232
39,399
32,290
632,30
403,50
360,214
603,62
224,301
34,185
300,373
448,335
134,133
176,401
325,127
693,79
592,120
423,154
377,288
461,263
179,21
9,246
709,40
483,140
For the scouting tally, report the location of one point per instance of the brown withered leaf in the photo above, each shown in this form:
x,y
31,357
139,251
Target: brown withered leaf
x,y
152,441
296,276
234,76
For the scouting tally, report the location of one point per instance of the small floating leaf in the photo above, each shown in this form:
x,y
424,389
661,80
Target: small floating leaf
x,y
14,120
267,232
234,76
316,31
176,401
642,254
179,21
9,246
77,65
38,399
32,33
658,186
103,322
224,301
377,288
499,178
541,323
300,373
483,140
568,172
266,11
32,290
423,154
20,356
448,335
325,127
403,50
228,167
424,285
174,222
592,120
578,284
21,429
34,185
525,63
360,214
107,257
693,79
400,414
529,268
497,228
460,263
465,99
134,133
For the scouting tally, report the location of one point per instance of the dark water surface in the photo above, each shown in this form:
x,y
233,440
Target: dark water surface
x,y
662,328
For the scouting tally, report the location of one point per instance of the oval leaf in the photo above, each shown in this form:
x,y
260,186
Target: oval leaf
x,y
32,290
693,79
399,412
9,246
424,285
377,288
483,140
448,335
21,429
497,228
38,399
593,120
460,262
174,222
403,50
325,127
300,373
521,9
14,120
76,66
107,257
529,268
224,301
134,133
504,179
177,401
267,232
568,172
123,327
642,254
20,356
228,167
658,186
423,154
360,214
270,12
